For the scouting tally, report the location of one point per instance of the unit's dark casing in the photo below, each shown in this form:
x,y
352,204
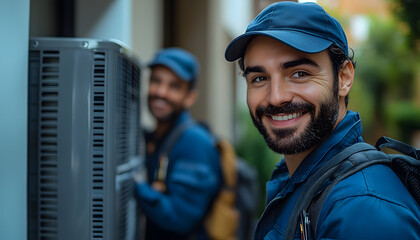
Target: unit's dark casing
x,y
84,139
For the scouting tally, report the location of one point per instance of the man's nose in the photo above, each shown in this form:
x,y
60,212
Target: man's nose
x,y
161,90
279,92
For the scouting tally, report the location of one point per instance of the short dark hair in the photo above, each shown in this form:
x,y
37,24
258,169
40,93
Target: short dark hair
x,y
192,84
337,57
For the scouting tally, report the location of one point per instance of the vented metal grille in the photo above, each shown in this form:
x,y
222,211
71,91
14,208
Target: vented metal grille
x,y
122,108
128,100
47,145
127,142
98,148
135,103
127,208
83,139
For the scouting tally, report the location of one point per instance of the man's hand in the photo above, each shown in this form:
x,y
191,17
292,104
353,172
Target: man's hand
x,y
159,186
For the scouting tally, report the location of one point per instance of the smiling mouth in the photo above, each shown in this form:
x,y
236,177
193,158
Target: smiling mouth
x,y
286,117
159,102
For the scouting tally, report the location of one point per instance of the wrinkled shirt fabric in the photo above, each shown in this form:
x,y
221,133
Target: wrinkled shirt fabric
x,y
371,204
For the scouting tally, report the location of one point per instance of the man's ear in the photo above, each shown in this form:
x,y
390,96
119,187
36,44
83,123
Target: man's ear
x,y
345,78
190,99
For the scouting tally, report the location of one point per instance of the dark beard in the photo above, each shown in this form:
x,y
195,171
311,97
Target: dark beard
x,y
283,141
172,116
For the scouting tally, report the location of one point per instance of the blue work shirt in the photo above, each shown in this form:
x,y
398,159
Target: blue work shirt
x,y
371,204
193,179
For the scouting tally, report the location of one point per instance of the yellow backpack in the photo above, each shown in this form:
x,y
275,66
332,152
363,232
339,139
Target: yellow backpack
x,y
222,221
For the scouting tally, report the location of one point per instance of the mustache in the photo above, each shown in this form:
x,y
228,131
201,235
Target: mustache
x,y
286,108
153,97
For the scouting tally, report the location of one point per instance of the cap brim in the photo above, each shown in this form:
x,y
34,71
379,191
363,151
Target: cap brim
x,y
169,63
301,41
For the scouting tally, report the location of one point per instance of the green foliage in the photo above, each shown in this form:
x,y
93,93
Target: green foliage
x,y
408,12
386,70
360,100
254,150
386,62
404,116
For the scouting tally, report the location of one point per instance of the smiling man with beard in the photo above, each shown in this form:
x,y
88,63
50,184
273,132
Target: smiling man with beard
x,y
298,70
182,162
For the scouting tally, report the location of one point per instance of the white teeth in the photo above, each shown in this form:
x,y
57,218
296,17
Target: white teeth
x,y
286,117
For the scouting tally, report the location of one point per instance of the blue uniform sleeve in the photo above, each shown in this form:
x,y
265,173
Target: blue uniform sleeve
x,y
192,183
368,217
372,204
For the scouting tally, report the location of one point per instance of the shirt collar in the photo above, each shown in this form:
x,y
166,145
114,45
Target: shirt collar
x,y
181,118
347,132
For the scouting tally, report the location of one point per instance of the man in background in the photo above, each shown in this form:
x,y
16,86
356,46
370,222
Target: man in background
x,y
183,171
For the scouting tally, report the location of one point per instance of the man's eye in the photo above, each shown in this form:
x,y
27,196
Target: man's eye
x,y
258,79
175,86
299,74
154,80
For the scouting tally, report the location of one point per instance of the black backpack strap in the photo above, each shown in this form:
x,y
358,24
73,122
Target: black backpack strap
x,y
166,147
406,165
401,147
358,161
312,185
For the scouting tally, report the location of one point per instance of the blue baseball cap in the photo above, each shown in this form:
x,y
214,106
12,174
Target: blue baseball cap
x,y
181,62
303,26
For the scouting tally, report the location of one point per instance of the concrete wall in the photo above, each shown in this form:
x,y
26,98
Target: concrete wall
x,y
199,28
109,19
14,26
147,38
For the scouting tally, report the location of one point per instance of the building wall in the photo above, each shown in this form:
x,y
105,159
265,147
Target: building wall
x,y
104,19
147,37
199,29
42,18
14,25
222,91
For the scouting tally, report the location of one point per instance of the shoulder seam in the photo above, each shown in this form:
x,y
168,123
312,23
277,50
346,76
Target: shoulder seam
x,y
369,195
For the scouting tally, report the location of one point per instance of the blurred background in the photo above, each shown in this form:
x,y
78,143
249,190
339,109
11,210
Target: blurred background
x,y
384,34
